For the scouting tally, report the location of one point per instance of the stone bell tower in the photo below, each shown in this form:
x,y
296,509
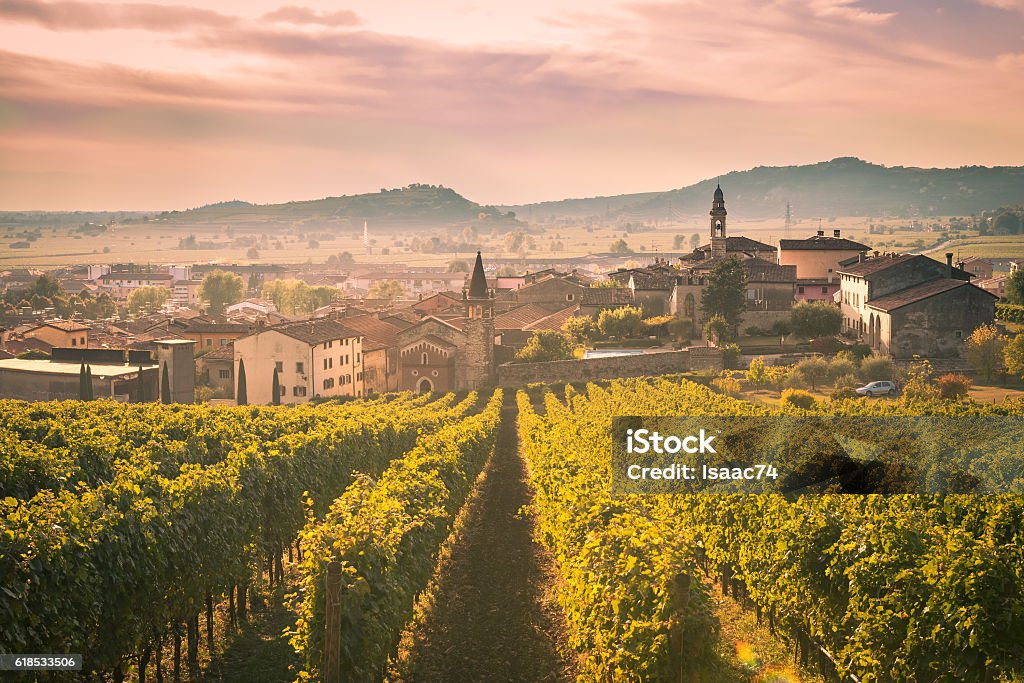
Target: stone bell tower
x,y
475,367
718,214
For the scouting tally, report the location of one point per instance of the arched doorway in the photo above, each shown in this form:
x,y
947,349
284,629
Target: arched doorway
x,y
425,386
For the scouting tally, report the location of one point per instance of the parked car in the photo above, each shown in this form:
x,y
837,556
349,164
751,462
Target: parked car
x,y
883,388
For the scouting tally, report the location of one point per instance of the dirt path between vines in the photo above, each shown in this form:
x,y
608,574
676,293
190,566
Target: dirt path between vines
x,y
492,617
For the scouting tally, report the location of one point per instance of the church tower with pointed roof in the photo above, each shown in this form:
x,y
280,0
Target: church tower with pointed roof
x,y
476,365
718,214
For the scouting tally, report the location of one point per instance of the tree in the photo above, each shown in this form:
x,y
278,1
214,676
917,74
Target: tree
x,y
621,247
695,240
1013,355
140,387
985,349
678,241
295,296
83,384
252,253
458,266
622,323
146,300
275,389
388,290
812,371
1015,287
726,292
221,289
815,319
545,345
241,396
578,328
716,329
165,386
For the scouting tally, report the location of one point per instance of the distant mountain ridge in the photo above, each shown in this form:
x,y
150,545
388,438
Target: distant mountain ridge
x,y
416,205
846,186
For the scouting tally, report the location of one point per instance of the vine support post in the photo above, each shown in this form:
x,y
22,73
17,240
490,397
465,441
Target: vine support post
x,y
331,666
679,600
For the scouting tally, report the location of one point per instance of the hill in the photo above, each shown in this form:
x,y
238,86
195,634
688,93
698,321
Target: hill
x,y
846,186
416,205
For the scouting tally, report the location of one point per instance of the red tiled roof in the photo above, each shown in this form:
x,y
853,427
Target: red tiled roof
x,y
554,321
520,317
911,295
374,329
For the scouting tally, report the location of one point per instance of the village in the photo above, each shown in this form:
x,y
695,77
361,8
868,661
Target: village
x,y
276,334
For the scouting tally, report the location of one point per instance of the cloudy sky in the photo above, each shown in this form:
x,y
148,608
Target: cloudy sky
x,y
153,105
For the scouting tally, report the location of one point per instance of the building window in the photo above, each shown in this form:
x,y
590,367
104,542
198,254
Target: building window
x,y
328,383
300,367
225,374
74,342
358,357
81,341
570,297
415,373
298,391
284,391
800,290
824,290
424,360
279,366
209,343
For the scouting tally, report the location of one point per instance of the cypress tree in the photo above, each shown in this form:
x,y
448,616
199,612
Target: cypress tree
x,y
241,396
88,383
83,393
165,386
276,389
140,388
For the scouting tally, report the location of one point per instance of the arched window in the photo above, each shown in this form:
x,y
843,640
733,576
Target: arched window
x,y
424,359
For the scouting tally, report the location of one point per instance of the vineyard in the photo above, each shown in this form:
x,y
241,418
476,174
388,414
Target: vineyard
x,y
871,588
126,529
122,524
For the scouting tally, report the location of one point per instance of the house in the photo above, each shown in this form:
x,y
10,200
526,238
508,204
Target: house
x,y
817,260
209,334
452,354
907,304
438,303
217,368
121,284
380,352
321,358
593,300
60,333
981,268
185,293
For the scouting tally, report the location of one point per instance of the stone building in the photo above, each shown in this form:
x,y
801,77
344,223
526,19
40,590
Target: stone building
x,y
770,286
452,354
907,304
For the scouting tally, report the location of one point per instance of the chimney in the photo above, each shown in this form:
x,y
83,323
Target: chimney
x,y
877,253
860,257
821,233
835,233
949,264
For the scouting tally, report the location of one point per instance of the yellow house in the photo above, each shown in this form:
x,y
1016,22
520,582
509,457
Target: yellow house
x,y
63,333
314,358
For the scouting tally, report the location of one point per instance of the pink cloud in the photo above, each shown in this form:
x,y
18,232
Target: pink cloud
x,y
294,14
92,16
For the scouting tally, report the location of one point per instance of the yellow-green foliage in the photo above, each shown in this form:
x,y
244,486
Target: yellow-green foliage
x,y
798,398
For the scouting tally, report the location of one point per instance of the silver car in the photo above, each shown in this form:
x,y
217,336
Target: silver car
x,y
883,388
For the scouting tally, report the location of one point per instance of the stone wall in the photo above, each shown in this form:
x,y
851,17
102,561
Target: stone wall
x,y
610,367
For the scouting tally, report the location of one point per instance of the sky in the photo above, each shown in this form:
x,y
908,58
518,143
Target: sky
x,y
166,105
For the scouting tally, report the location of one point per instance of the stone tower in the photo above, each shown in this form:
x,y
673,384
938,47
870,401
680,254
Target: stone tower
x,y
475,365
718,213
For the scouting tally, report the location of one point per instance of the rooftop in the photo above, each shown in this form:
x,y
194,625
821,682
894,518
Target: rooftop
x,y
912,295
315,331
51,368
821,242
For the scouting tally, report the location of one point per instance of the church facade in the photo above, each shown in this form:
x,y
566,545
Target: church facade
x,y
452,353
